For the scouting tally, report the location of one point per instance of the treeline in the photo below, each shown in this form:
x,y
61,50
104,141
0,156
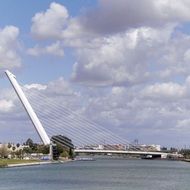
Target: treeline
x,y
29,147
185,153
44,149
6,152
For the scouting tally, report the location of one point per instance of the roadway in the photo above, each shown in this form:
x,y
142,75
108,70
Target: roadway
x,y
162,154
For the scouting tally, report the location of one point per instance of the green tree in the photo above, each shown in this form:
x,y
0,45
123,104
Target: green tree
x,y
32,145
71,153
18,153
65,154
4,151
27,150
60,148
44,149
29,142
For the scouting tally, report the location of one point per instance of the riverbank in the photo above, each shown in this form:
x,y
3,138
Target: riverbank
x,y
9,163
4,163
28,164
186,160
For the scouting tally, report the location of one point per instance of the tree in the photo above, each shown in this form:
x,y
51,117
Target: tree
x,y
43,149
18,153
71,153
59,148
4,151
9,145
27,150
65,154
29,142
185,153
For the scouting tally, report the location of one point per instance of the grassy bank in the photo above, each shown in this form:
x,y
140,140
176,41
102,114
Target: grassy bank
x,y
6,162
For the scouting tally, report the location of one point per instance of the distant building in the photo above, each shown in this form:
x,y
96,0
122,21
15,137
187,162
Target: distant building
x,y
152,147
121,147
104,147
114,147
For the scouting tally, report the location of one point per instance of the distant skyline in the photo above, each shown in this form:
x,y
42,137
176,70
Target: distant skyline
x,y
123,64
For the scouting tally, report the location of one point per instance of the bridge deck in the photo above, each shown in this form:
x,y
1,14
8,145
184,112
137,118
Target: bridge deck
x,y
119,152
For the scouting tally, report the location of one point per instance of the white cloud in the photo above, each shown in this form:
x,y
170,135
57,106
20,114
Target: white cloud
x,y
35,86
60,86
6,105
146,47
108,18
117,16
122,59
9,46
60,26
169,91
50,24
183,125
54,49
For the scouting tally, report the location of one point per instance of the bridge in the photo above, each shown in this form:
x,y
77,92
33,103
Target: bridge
x,y
123,152
63,121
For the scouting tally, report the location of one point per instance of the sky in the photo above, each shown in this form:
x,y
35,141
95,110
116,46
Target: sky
x,y
122,64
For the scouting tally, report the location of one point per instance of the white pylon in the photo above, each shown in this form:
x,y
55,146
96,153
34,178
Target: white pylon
x,y
36,122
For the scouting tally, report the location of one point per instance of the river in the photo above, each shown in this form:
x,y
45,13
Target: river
x,y
99,175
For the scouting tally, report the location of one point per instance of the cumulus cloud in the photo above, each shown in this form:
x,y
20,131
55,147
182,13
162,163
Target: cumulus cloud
x,y
122,59
35,86
108,18
183,125
54,49
60,86
125,57
112,16
135,56
50,24
9,46
60,26
6,105
165,90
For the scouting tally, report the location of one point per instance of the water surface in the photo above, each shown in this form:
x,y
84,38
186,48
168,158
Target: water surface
x,y
99,175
